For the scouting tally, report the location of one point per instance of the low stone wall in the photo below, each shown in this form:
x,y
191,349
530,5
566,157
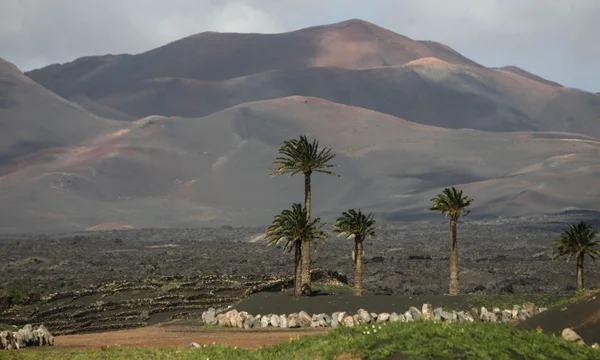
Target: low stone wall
x,y
26,337
242,319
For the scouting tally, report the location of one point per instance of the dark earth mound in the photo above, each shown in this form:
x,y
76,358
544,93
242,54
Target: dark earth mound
x,y
582,315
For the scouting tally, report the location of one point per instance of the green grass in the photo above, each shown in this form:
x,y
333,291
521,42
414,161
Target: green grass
x,y
8,327
418,340
506,301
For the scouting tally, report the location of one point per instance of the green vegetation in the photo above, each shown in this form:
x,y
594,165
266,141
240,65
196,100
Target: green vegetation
x,y
418,340
359,226
294,227
578,241
451,202
302,156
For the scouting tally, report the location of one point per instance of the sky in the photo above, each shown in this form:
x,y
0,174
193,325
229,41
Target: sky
x,y
556,39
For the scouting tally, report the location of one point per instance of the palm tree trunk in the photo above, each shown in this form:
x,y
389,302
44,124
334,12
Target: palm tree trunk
x,y
297,268
579,272
358,271
454,281
306,244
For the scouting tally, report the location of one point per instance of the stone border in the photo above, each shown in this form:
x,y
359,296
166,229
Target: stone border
x,y
243,320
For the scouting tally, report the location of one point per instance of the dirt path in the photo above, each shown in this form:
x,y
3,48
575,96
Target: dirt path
x,y
169,335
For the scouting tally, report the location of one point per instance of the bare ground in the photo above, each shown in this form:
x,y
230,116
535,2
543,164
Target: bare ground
x,y
178,335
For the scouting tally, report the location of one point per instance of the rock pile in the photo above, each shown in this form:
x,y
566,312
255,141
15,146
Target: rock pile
x,y
242,319
27,336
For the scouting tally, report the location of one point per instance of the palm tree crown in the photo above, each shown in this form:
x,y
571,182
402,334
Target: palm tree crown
x,y
293,226
451,202
302,156
356,225
577,240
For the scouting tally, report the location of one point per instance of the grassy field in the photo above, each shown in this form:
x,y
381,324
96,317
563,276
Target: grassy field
x,y
418,340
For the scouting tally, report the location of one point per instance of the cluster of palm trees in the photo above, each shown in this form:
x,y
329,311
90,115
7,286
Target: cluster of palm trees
x,y
300,232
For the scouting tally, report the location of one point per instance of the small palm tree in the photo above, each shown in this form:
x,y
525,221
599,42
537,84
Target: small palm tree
x,y
452,203
577,241
302,156
359,226
295,229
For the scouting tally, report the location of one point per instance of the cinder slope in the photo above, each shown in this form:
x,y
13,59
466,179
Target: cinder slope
x,y
33,118
352,44
179,172
427,91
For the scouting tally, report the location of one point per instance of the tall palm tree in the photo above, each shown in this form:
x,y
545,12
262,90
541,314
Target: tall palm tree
x,y
302,156
452,203
359,226
294,228
577,241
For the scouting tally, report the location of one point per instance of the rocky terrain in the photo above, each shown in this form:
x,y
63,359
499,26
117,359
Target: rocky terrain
x,y
92,281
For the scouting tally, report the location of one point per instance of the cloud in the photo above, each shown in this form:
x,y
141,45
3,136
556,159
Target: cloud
x,y
555,39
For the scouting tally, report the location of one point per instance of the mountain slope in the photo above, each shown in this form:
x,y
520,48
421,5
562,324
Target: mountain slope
x,y
352,44
176,172
427,91
354,62
33,118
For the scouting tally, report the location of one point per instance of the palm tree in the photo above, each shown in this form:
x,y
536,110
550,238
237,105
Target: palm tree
x,y
451,202
359,226
293,227
578,240
302,156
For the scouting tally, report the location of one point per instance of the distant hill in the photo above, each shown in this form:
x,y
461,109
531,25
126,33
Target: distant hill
x,y
33,118
176,172
353,62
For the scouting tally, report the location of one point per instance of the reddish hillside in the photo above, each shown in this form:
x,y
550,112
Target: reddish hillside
x,y
175,172
33,118
352,44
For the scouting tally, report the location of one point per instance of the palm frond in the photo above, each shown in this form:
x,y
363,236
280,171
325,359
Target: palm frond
x,y
301,156
577,239
353,224
291,226
451,202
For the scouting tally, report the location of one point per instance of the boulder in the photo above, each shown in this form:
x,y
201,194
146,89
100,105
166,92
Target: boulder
x,y
415,313
571,336
475,313
222,320
324,320
427,312
515,311
275,320
365,316
530,307
394,317
408,316
437,313
195,345
293,321
283,321
241,319
232,317
334,320
265,321
541,310
383,317
250,322
461,316
521,315
506,316
357,319
304,319
447,316
341,316
209,316
373,317
348,321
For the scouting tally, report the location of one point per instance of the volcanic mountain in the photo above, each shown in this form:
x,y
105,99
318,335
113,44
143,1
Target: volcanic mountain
x,y
197,123
354,63
33,118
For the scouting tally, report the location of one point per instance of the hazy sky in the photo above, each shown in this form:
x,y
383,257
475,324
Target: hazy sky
x,y
556,39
